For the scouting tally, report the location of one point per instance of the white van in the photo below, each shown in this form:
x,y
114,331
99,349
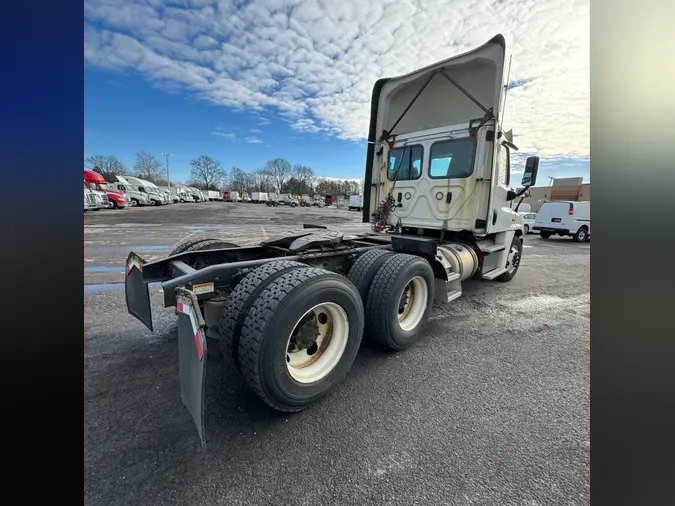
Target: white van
x,y
564,218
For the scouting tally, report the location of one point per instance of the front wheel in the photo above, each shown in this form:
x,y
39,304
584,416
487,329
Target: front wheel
x,y
300,337
526,229
513,260
545,235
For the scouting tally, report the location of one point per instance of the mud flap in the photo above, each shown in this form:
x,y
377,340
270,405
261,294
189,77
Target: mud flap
x,y
191,356
136,290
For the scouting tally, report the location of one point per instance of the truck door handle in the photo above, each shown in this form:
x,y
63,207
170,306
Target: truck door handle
x,y
400,197
448,198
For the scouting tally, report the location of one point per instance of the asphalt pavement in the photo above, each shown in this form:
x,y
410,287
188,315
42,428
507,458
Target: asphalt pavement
x,y
489,408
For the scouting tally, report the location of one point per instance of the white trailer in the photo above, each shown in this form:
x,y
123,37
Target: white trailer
x,y
259,197
214,195
355,203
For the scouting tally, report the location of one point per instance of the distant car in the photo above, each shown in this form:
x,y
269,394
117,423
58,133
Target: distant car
x,y
528,221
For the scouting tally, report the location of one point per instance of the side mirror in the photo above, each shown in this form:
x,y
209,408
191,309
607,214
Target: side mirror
x,y
530,175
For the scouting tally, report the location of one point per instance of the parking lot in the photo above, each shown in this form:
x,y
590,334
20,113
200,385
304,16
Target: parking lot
x,y
490,408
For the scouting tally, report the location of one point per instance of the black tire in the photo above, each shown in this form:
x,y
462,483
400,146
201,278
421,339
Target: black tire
x,y
581,235
207,244
384,297
545,235
188,245
114,204
517,245
365,267
241,299
134,202
293,204
270,322
276,204
268,204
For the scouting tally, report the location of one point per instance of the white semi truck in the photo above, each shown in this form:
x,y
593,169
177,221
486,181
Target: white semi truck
x,y
290,312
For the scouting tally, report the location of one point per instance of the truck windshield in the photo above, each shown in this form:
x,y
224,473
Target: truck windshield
x,y
104,186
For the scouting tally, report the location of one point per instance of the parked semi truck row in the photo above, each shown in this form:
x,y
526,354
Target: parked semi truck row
x,y
289,313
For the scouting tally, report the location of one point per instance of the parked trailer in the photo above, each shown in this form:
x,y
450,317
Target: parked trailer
x,y
290,312
259,197
356,203
213,195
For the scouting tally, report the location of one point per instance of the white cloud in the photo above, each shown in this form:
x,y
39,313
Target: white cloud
x,y
253,140
314,62
229,136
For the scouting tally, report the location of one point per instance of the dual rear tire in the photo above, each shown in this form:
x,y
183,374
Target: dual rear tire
x,y
293,331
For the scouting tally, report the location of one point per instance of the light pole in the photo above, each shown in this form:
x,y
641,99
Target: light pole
x,y
168,178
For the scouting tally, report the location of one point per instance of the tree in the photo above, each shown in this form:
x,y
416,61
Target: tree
x,y
238,180
148,167
280,170
261,180
108,166
304,174
206,171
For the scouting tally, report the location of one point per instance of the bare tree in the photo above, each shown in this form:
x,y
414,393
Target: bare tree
x,y
206,171
238,180
280,170
304,174
148,167
262,180
108,166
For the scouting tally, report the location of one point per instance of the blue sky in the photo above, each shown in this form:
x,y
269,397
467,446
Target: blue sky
x,y
245,82
126,114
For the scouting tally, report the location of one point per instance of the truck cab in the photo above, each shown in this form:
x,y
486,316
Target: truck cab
x,y
134,197
115,198
153,194
439,162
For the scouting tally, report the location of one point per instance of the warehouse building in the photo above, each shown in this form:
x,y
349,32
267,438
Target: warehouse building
x,y
568,188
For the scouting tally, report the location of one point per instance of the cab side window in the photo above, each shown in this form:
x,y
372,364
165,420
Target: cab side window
x,y
503,168
405,163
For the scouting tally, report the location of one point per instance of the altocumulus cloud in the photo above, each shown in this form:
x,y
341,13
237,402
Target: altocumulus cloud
x,y
314,62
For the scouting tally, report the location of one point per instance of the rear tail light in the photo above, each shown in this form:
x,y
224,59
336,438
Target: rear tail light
x,y
571,211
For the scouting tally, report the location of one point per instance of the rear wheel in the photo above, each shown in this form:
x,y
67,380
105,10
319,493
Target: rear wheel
x,y
399,300
191,243
300,337
241,299
513,260
545,235
581,235
365,267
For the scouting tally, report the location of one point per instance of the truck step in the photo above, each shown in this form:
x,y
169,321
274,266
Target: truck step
x,y
494,273
453,276
491,248
454,294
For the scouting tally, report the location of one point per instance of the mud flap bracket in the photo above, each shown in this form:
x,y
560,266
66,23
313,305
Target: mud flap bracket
x,y
192,355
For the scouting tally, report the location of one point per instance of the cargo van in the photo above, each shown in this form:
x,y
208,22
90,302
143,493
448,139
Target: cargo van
x,y
564,219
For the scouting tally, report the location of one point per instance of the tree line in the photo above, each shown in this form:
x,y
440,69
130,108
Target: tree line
x,y
207,173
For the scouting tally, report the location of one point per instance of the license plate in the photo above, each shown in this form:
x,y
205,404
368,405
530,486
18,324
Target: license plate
x,y
556,220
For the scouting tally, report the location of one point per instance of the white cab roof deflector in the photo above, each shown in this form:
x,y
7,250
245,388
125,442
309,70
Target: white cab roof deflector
x,y
451,92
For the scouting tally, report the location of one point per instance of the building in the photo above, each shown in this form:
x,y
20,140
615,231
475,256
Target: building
x,y
569,188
